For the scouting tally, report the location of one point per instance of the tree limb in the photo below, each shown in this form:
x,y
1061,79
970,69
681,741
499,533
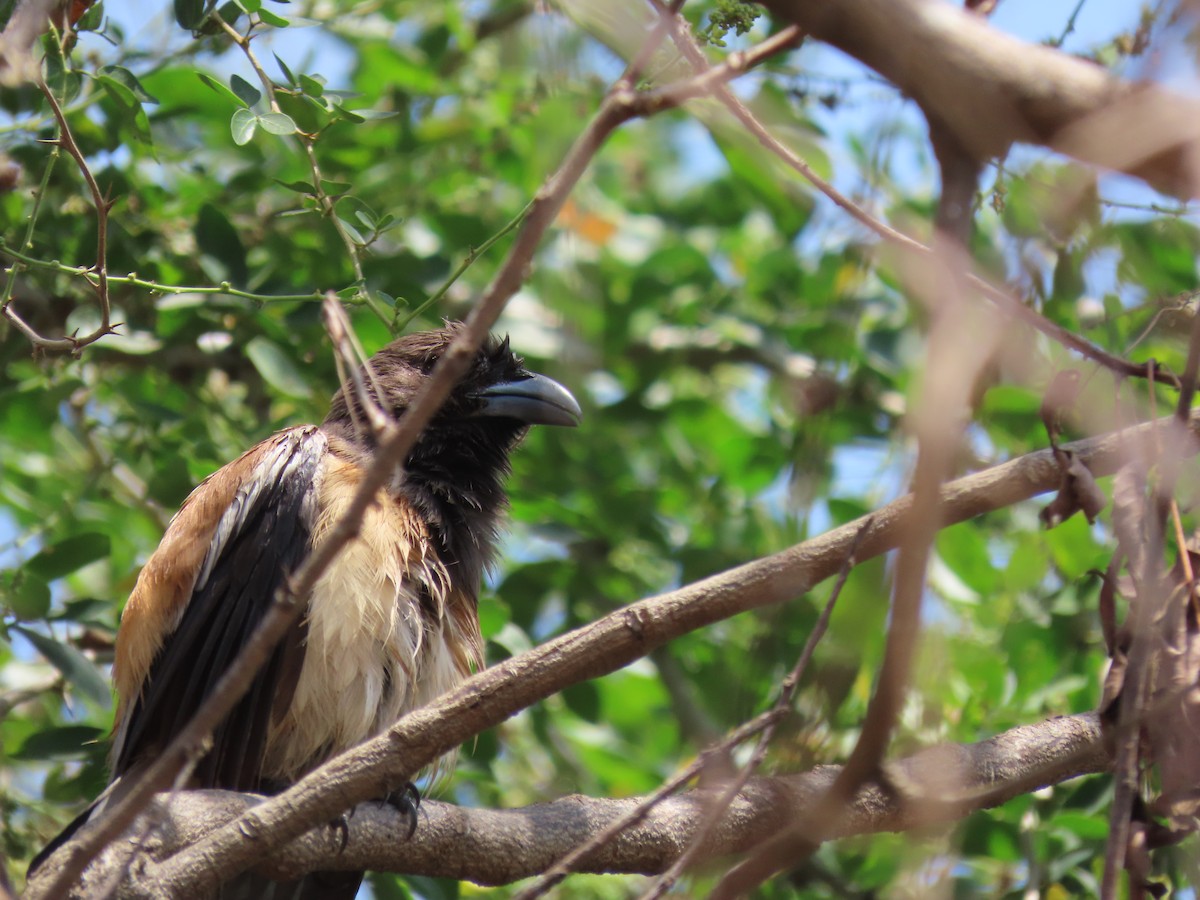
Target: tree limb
x,y
954,65
941,784
606,645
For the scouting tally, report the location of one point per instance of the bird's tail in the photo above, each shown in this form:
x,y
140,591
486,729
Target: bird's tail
x,y
65,835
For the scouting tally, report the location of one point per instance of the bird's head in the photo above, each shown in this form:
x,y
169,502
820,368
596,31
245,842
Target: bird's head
x,y
454,474
498,395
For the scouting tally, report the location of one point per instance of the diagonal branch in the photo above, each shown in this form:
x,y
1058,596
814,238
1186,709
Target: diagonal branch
x,y
610,643
1005,300
955,65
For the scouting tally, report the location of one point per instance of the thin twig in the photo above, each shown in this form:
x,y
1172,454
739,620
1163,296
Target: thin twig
x,y
224,288
308,144
400,325
67,140
1001,298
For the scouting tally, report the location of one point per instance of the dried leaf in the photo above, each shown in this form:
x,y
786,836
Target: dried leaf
x,y
1114,682
1108,603
1077,491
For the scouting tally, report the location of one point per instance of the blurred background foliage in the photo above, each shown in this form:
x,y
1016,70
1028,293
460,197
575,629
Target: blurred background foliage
x,y
744,356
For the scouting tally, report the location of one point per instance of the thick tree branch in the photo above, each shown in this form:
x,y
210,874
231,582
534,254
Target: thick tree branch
x,y
941,784
954,65
606,645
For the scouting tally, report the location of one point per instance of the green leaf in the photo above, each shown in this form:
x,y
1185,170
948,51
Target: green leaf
x,y
216,237
27,595
244,90
63,742
277,123
287,73
91,20
75,667
351,210
349,116
242,126
127,80
361,114
300,187
311,86
271,19
130,113
68,555
190,13
219,88
335,188
276,368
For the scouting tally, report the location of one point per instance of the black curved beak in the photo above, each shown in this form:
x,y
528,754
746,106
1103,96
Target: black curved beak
x,y
536,400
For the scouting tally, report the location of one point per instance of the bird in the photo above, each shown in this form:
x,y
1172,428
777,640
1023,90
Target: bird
x,y
390,625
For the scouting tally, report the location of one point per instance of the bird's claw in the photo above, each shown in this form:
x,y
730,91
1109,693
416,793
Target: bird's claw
x,y
406,801
341,826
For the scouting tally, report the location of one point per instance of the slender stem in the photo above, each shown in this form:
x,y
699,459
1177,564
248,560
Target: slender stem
x,y
472,255
158,287
27,243
67,141
308,144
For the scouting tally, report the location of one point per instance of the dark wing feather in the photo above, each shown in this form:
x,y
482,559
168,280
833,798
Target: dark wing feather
x,y
259,541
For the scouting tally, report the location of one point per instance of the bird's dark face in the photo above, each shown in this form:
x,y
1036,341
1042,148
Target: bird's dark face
x,y
498,396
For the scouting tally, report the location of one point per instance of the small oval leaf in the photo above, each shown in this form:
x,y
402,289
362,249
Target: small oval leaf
x,y
245,91
242,126
277,123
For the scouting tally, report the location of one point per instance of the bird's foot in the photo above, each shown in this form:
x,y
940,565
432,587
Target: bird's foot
x,y
406,801
341,827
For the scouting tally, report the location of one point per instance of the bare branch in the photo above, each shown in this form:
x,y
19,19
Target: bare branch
x,y
501,846
490,697
953,64
1011,304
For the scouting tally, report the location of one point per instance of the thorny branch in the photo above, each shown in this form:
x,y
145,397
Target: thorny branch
x,y
72,344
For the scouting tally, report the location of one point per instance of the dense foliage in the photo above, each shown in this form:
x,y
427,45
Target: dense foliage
x,y
744,356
